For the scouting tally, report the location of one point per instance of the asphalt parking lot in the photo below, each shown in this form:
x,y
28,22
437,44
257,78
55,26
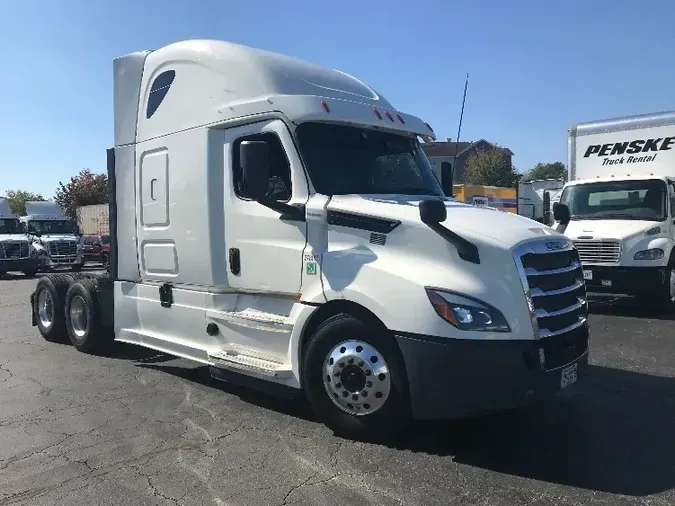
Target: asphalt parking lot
x,y
141,428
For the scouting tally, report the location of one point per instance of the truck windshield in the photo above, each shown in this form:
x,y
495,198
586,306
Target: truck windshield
x,y
9,226
344,160
45,227
617,200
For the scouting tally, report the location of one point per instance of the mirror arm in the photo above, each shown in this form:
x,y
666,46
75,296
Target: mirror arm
x,y
288,212
466,250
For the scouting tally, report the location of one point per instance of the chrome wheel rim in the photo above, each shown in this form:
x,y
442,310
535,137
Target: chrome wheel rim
x,y
356,377
78,316
45,309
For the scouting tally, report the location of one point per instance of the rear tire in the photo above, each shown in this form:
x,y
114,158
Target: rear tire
x,y
50,295
354,379
77,268
83,316
30,273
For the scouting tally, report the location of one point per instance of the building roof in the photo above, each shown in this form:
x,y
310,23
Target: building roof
x,y
450,148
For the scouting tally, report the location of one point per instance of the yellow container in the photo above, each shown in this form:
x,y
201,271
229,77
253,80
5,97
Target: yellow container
x,y
504,199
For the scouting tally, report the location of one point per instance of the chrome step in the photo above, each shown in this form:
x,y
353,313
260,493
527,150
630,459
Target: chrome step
x,y
236,360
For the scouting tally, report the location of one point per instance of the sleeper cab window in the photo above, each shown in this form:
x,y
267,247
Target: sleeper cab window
x,y
279,187
158,90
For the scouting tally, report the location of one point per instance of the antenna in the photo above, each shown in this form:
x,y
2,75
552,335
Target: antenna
x,y
459,129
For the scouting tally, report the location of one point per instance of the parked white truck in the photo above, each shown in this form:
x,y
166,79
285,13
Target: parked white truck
x,y
16,251
280,223
536,198
622,205
53,236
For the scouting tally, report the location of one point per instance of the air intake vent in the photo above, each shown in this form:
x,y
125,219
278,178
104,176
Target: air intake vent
x,y
379,239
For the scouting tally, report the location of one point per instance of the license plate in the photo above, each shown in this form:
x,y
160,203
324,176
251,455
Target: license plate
x,y
606,282
588,274
14,257
568,375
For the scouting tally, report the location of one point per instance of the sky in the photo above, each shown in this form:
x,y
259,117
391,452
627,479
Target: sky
x,y
535,67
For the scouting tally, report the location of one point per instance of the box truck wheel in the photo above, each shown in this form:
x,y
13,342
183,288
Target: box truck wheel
x,y
30,273
663,298
49,297
354,378
83,320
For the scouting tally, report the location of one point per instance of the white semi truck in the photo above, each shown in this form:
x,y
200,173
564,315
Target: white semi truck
x,y
16,250
53,236
279,222
622,204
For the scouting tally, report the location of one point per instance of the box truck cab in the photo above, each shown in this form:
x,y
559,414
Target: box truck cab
x,y
622,205
16,252
280,223
53,235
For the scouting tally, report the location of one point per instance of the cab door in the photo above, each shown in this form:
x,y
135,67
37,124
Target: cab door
x,y
264,250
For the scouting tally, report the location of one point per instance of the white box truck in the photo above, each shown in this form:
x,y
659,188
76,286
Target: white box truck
x,y
536,198
53,236
622,205
16,251
280,223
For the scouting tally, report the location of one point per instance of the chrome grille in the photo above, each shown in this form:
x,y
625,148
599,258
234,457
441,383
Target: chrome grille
x,y
11,250
63,249
551,274
595,251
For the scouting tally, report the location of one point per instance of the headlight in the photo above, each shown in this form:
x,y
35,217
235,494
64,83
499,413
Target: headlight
x,y
649,254
467,314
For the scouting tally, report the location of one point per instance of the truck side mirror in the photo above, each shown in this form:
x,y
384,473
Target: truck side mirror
x,y
561,213
447,177
547,208
255,167
433,211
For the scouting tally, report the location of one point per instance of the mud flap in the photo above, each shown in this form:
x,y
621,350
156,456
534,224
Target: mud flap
x,y
33,321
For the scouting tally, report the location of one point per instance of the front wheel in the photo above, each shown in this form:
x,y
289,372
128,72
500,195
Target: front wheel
x,y
30,273
354,378
663,298
105,260
77,267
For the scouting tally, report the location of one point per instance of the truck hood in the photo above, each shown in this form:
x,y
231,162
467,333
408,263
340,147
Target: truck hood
x,y
609,229
57,237
13,237
467,220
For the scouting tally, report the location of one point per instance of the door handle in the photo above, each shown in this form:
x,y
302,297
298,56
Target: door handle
x,y
235,261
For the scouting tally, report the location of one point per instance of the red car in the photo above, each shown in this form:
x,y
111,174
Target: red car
x,y
97,249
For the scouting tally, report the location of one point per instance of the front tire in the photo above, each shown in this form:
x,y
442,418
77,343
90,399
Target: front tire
x,y
663,299
354,379
77,267
30,273
105,260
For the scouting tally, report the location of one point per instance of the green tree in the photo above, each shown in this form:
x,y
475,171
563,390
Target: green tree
x,y
86,188
492,167
17,200
555,170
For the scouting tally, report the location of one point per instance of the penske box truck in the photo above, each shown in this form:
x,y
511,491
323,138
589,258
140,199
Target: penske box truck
x,y
621,201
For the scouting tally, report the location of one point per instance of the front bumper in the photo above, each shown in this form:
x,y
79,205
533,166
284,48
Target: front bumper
x,y
64,261
19,264
624,280
454,378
